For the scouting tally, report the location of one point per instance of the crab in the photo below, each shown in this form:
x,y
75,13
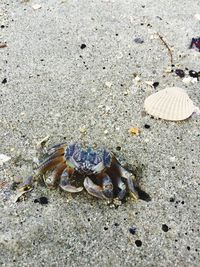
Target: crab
x,y
75,166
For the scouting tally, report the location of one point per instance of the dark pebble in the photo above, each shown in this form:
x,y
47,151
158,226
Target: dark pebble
x,y
180,73
193,73
118,148
138,40
147,126
4,81
138,243
41,200
155,84
132,230
83,46
195,43
165,228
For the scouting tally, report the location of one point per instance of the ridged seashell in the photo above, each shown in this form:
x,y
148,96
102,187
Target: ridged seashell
x,y
172,104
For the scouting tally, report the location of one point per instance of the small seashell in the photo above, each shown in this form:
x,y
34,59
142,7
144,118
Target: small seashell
x,y
172,104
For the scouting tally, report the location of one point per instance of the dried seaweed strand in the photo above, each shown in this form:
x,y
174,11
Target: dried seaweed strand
x,y
167,46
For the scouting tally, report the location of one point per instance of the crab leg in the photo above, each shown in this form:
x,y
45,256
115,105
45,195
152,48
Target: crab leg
x,y
49,164
65,183
53,179
27,184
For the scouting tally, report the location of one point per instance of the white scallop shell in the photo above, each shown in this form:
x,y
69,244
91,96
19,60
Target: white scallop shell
x,y
172,104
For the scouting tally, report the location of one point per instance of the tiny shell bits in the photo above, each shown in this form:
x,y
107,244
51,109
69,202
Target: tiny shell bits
x,y
171,104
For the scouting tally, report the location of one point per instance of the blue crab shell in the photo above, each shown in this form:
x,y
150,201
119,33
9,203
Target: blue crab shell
x,y
87,160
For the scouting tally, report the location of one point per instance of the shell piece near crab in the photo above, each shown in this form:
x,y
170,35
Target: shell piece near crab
x,y
172,103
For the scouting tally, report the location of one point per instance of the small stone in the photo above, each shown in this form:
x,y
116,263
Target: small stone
x,y
138,243
4,81
147,126
42,200
193,73
155,84
36,6
138,40
172,159
165,228
188,80
83,46
3,159
83,130
108,84
180,73
132,230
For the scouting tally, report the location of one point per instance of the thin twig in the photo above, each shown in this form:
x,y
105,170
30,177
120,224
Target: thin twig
x,y
167,46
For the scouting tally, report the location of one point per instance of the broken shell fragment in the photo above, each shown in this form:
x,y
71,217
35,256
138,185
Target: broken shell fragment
x,y
134,131
172,104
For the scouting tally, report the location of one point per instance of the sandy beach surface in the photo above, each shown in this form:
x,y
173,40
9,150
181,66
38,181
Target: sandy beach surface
x,y
80,70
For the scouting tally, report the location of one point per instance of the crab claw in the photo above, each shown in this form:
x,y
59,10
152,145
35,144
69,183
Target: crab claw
x,y
93,189
122,189
65,184
107,187
129,180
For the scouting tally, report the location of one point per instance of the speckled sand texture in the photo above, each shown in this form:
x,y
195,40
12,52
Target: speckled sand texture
x,y
68,71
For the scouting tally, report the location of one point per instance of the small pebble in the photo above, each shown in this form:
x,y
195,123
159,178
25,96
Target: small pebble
x,y
4,81
147,126
195,44
83,46
180,73
138,40
188,80
193,73
41,200
132,230
138,243
36,6
108,84
155,84
165,228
